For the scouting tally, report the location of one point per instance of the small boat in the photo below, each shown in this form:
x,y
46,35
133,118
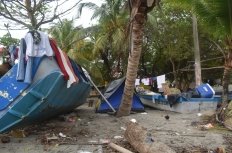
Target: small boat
x,y
179,103
22,104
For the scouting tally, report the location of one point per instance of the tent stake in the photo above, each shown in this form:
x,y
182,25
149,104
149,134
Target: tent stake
x,y
102,95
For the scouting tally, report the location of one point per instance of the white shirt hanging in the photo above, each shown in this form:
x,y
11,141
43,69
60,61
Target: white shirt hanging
x,y
40,49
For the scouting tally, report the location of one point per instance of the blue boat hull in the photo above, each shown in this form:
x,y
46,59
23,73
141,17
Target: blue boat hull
x,y
182,105
46,97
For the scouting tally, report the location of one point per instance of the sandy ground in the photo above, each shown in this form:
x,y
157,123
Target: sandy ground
x,y
84,131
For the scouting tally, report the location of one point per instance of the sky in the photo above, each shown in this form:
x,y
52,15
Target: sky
x,y
84,20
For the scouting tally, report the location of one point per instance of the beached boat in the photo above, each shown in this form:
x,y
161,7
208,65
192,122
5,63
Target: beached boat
x,y
47,96
179,103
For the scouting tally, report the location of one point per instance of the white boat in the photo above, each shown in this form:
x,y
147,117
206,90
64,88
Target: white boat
x,y
179,103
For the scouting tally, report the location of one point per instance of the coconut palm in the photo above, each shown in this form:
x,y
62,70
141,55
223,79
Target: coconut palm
x,y
139,10
189,5
217,16
66,34
110,34
72,40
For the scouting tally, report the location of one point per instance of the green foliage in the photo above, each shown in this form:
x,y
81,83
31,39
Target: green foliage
x,y
73,41
7,40
169,37
215,14
66,34
110,35
168,45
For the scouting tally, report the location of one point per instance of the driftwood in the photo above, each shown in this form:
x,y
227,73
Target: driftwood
x,y
119,148
143,142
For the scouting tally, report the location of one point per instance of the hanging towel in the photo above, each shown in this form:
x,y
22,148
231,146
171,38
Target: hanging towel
x,y
146,81
64,64
58,58
160,80
137,82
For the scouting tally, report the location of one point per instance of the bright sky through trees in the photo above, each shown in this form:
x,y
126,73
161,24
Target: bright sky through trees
x,y
84,20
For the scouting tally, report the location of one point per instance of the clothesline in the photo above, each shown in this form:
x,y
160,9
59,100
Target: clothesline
x,y
161,78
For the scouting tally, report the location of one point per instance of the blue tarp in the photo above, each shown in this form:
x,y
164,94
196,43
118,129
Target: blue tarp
x,y
114,94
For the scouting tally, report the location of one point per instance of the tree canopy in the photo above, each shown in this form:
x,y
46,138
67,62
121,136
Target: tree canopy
x,y
32,14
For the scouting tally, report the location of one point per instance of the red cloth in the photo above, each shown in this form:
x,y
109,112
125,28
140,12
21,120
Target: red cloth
x,y
64,64
58,58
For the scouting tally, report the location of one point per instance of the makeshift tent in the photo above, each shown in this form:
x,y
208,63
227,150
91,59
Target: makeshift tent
x,y
113,94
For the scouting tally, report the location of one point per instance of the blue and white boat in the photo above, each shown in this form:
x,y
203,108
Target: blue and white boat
x,y
183,103
47,96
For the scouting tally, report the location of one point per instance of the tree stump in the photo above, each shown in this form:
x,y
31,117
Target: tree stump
x,y
143,142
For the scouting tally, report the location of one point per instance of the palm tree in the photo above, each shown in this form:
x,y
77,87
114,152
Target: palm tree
x,y
188,4
217,16
110,34
72,41
66,34
82,52
139,10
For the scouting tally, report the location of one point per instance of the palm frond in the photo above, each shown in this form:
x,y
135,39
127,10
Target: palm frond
x,y
89,5
100,43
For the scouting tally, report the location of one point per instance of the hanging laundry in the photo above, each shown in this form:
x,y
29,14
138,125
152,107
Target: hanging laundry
x,y
22,62
146,81
137,82
31,52
160,80
64,64
38,47
13,54
58,58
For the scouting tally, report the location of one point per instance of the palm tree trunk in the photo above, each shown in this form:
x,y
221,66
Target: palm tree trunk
x,y
226,79
227,70
196,52
133,61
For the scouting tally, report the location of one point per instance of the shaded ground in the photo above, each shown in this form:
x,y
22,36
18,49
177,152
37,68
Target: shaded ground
x,y
84,131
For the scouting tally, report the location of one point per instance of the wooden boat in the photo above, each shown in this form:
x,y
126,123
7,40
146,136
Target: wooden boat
x,y
179,103
47,96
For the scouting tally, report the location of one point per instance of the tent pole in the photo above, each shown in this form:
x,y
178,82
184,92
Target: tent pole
x,y
102,96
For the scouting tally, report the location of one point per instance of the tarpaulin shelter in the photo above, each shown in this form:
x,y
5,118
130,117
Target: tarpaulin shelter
x,y
113,94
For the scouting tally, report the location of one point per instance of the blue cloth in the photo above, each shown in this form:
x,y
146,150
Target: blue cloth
x,y
28,72
75,69
31,68
12,51
78,70
26,69
22,62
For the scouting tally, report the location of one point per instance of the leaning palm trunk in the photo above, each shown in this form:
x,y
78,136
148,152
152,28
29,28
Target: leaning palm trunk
x,y
226,81
133,61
